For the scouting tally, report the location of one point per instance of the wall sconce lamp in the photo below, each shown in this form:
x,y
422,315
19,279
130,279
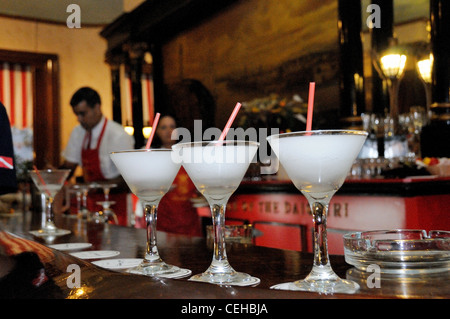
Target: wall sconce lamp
x,y
146,131
391,66
129,128
424,68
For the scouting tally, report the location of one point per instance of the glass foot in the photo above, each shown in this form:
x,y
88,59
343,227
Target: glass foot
x,y
50,232
232,279
160,269
327,286
320,286
323,280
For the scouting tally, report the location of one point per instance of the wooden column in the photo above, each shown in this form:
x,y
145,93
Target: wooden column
x,y
380,41
440,48
158,78
116,97
115,61
435,137
136,53
351,82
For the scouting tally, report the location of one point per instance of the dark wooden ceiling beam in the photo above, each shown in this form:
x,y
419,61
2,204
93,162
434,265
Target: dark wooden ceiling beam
x,y
157,21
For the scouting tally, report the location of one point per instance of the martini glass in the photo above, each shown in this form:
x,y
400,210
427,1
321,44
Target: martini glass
x,y
49,182
217,169
76,189
149,173
107,213
317,162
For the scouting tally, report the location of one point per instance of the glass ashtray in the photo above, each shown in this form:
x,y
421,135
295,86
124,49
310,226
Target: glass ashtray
x,y
399,251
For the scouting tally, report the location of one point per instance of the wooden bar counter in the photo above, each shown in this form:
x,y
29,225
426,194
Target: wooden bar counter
x,y
50,274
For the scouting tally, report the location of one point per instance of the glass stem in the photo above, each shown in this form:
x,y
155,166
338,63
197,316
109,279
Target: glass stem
x,y
84,200
220,261
49,224
393,100
151,254
78,202
106,192
319,212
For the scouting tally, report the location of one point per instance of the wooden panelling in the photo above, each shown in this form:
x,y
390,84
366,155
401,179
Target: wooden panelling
x,y
254,48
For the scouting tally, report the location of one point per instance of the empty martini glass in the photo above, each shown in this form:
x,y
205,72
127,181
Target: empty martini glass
x,y
107,213
317,162
49,182
216,169
149,173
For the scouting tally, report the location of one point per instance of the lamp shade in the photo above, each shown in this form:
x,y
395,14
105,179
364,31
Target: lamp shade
x,y
146,131
424,67
393,65
129,129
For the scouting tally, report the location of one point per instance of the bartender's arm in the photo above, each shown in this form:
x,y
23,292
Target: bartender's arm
x,y
72,154
121,184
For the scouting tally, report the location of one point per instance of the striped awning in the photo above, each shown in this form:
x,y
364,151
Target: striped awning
x,y
16,93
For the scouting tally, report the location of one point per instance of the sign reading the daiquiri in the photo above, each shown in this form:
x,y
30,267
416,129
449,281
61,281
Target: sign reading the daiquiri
x,y
285,220
344,212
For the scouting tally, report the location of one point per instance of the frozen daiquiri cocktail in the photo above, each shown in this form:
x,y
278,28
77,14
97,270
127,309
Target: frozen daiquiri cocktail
x,y
318,162
149,173
217,168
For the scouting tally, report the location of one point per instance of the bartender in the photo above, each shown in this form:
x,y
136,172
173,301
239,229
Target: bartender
x,y
89,146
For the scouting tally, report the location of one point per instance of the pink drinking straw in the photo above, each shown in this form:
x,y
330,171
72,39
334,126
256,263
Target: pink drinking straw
x,y
230,121
312,86
155,124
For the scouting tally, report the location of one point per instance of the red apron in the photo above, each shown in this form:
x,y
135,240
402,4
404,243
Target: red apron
x,y
92,172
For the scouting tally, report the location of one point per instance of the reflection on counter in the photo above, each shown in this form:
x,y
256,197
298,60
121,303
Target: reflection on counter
x,y
400,286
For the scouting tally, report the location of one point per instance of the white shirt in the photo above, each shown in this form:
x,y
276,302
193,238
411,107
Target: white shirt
x,y
114,139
